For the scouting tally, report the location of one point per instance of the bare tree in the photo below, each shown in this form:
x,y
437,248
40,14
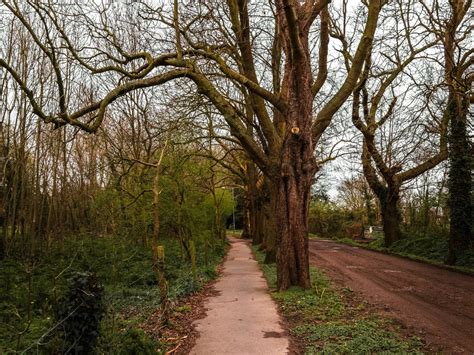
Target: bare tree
x,y
397,143
288,129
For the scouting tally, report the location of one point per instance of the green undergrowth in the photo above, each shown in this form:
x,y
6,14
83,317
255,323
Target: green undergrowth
x,y
327,320
31,289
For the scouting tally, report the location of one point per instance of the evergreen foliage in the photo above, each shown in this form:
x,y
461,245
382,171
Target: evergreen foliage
x,y
460,186
80,313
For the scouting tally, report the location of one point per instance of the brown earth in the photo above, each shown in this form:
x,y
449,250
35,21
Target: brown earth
x,y
180,335
438,304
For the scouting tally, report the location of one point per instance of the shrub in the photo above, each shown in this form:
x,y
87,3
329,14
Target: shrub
x,y
330,221
80,313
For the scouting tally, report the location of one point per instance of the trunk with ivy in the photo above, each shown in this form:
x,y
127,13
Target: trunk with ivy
x,y
460,180
459,80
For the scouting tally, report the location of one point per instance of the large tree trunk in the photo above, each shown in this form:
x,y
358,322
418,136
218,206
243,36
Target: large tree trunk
x,y
460,180
269,221
390,215
297,171
459,80
388,195
292,244
293,192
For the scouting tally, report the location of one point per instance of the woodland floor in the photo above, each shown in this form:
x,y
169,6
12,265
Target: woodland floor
x,y
434,303
242,318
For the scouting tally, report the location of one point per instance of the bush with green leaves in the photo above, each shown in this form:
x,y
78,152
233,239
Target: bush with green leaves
x,y
328,220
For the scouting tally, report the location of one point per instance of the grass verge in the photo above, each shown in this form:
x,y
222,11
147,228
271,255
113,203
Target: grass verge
x,y
327,320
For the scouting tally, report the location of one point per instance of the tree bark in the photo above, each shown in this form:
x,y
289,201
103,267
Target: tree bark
x,y
294,192
388,194
390,215
292,237
297,167
460,180
269,222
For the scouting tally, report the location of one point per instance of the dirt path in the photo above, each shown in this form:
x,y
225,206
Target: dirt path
x,y
243,318
436,302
